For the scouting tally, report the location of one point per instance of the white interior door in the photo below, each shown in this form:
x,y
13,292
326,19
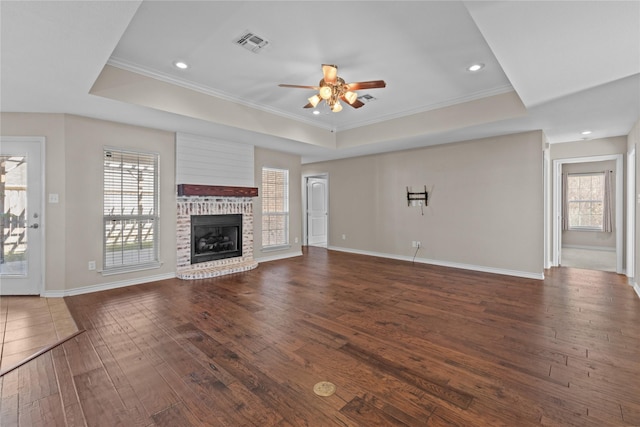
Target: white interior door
x,y
317,211
21,216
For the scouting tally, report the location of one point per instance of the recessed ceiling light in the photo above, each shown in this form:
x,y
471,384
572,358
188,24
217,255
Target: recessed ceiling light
x,y
586,132
316,112
181,65
475,67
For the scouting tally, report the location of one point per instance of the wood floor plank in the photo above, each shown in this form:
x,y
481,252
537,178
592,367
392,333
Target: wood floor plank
x,y
9,410
67,389
100,401
364,413
175,415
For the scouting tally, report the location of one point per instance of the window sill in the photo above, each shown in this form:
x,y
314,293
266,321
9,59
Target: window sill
x,y
585,229
131,268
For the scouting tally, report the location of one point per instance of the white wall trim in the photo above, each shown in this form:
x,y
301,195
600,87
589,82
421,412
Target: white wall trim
x,y
591,248
634,285
107,286
501,271
278,257
631,212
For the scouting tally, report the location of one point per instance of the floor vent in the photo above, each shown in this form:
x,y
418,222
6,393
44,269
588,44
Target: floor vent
x,y
251,41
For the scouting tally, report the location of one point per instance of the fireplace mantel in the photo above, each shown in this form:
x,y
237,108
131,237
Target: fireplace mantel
x,y
215,190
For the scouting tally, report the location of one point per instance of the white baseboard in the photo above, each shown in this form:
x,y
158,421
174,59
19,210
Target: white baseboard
x,y
590,248
107,286
505,272
635,286
279,256
138,281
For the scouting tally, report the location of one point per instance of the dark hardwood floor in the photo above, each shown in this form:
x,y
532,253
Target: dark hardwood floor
x,y
405,344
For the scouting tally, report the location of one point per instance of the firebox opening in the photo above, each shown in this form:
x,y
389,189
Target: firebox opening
x,y
215,237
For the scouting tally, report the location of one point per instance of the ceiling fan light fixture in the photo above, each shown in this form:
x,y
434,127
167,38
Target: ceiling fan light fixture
x,y
351,97
325,92
314,100
331,89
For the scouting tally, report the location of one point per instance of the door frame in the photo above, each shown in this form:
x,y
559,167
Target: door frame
x,y
305,214
557,205
631,212
40,140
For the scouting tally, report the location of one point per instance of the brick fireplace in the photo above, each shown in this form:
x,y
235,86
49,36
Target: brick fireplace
x,y
206,200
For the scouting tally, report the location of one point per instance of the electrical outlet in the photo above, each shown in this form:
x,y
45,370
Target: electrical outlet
x,y
295,240
414,244
344,237
92,265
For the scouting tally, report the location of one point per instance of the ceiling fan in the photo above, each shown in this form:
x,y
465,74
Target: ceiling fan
x,y
332,89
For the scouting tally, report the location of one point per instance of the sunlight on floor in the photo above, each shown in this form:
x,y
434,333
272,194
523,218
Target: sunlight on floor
x,y
28,324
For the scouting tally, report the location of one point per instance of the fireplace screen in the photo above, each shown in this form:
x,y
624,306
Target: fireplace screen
x,y
215,237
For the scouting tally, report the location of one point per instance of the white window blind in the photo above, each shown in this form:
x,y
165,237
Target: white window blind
x,y
130,210
275,207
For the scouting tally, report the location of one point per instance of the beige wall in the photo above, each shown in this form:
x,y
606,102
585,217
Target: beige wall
x,y
274,159
485,207
587,148
74,171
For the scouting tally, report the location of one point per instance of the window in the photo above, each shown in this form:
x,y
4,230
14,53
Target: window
x,y
585,200
275,207
130,214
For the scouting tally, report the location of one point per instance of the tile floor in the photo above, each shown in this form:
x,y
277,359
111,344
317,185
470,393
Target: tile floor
x,y
28,324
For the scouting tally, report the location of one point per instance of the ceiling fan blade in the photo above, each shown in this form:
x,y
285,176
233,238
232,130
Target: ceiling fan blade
x,y
300,86
309,105
356,104
373,84
330,73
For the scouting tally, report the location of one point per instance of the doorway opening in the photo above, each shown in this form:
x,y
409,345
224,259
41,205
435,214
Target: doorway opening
x,y
316,210
574,248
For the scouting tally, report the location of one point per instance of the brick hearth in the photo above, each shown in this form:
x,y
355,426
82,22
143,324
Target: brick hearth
x,y
213,205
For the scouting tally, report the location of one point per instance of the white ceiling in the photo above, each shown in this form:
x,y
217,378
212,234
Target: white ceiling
x,y
572,65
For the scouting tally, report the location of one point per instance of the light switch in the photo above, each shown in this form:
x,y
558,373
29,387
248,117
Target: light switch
x,y
53,197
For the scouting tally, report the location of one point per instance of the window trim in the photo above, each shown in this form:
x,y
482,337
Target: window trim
x,y
106,219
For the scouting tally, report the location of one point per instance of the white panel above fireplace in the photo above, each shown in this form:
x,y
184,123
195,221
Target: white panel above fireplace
x,y
208,161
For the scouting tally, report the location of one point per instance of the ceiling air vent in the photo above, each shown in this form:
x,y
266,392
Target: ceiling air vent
x,y
366,98
251,41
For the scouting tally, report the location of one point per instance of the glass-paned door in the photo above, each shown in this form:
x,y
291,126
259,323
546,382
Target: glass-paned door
x,y
20,216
